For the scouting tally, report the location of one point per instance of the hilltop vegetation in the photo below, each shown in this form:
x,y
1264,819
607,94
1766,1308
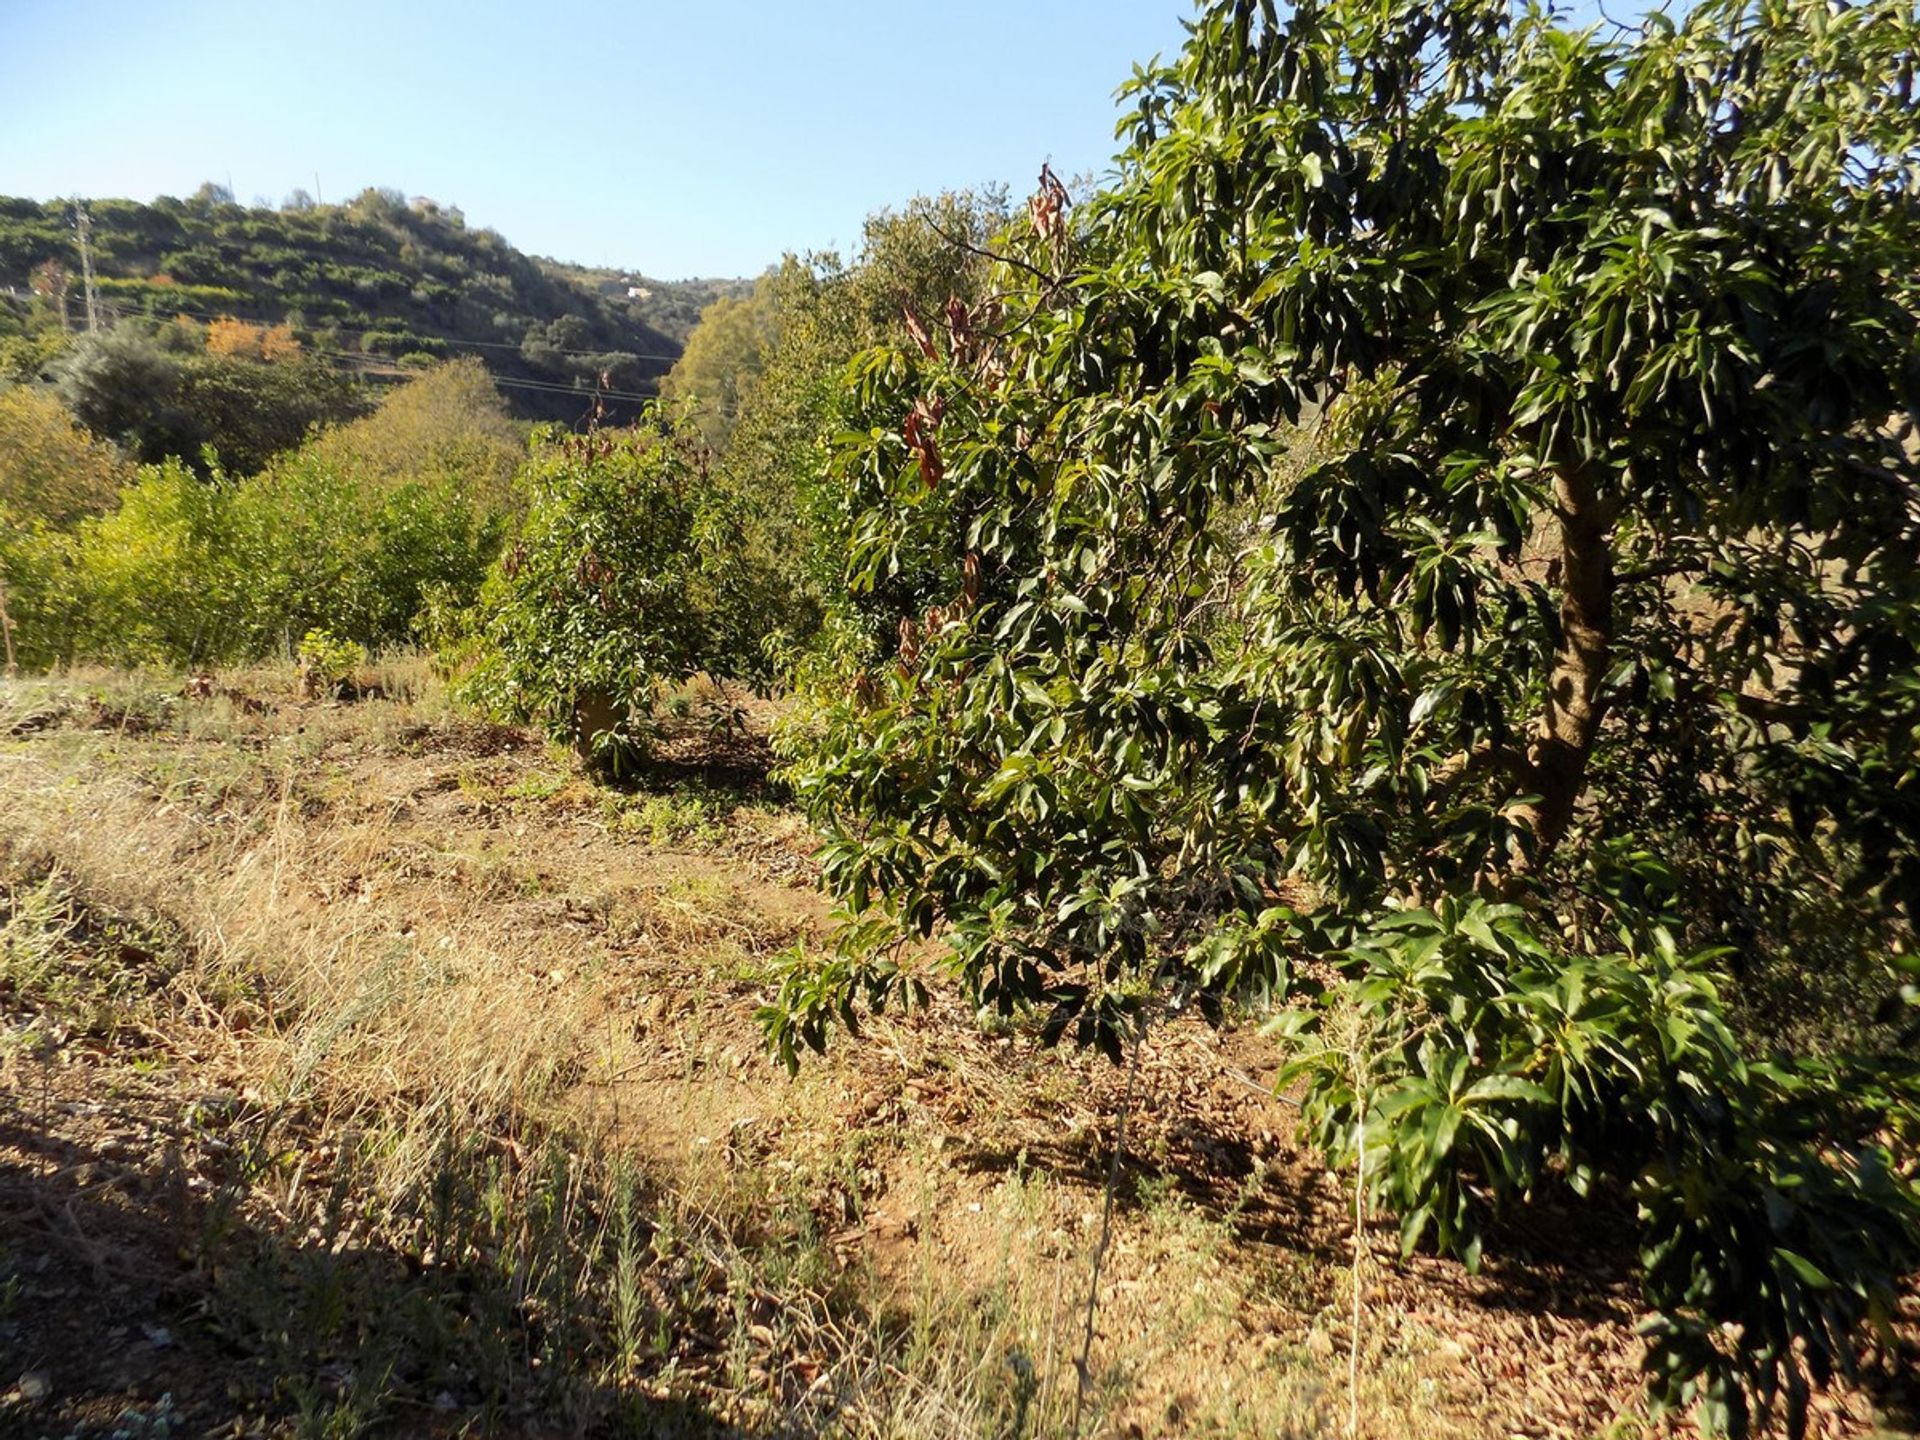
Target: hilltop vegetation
x,y
673,307
374,282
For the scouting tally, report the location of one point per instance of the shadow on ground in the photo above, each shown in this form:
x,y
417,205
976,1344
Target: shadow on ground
x,y
139,1296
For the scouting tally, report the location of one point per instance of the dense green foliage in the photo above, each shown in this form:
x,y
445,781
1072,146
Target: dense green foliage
x,y
449,423
783,373
1545,704
626,574
52,475
373,280
51,471
192,571
351,531
724,356
159,401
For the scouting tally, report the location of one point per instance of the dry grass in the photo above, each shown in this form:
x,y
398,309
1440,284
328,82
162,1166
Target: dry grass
x,y
488,1032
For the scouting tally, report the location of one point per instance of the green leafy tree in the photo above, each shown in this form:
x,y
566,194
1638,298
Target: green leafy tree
x,y
51,471
723,359
626,574
827,310
1448,514
124,387
153,574
247,412
128,386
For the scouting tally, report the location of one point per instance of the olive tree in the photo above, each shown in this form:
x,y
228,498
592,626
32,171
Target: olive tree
x,y
1436,541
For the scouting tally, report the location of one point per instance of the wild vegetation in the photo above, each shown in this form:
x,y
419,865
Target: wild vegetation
x,y
1371,659
375,282
353,530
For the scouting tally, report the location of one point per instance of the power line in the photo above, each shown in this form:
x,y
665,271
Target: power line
x,y
443,339
361,364
364,363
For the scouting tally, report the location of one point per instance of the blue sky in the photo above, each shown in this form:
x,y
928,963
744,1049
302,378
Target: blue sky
x,y
690,138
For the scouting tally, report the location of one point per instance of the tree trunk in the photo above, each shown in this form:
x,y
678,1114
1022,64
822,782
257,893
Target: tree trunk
x,y
1564,734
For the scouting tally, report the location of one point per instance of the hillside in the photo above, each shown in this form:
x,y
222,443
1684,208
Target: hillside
x,y
670,306
373,282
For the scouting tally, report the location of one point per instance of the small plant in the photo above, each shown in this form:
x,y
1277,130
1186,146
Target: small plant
x,y
327,663
691,818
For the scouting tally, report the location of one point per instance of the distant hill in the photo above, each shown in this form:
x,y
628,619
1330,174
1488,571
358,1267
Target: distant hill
x,y
371,284
670,306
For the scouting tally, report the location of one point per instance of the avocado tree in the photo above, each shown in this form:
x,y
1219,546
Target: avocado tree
x,y
1438,540
625,575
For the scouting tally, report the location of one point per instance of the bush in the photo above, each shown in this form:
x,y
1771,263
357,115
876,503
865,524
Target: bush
x,y
39,592
203,572
1492,1061
626,575
153,577
51,471
326,662
351,532
448,425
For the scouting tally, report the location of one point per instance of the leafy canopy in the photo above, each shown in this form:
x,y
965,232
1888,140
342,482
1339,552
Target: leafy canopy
x,y
350,532
625,574
1449,513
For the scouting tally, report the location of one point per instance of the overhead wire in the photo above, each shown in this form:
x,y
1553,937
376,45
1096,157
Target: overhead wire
x,y
365,363
442,339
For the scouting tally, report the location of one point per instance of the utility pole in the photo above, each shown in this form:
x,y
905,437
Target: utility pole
x,y
83,223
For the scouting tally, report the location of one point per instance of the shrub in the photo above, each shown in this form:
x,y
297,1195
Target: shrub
x,y
326,662
40,592
448,425
153,576
208,571
52,471
626,574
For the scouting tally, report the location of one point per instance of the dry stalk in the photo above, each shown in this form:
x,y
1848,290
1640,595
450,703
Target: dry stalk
x,y
1359,1061
6,630
1082,1365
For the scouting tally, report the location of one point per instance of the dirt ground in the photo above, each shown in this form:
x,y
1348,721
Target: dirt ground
x,y
287,934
